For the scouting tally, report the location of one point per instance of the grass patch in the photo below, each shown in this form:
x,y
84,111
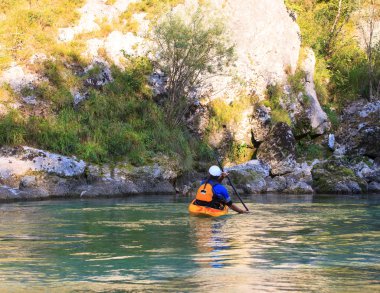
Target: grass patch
x,y
118,122
28,27
332,115
223,113
278,113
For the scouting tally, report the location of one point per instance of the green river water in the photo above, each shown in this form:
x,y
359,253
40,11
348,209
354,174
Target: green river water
x,y
151,244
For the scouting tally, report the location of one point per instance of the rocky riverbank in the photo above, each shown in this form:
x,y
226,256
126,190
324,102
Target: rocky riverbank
x,y
32,174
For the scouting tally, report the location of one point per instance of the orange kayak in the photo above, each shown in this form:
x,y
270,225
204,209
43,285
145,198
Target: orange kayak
x,y
196,210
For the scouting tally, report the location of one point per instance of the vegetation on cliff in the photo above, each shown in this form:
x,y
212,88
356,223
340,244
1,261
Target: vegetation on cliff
x,y
122,120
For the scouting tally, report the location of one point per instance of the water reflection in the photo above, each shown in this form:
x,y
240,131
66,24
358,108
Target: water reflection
x,y
209,241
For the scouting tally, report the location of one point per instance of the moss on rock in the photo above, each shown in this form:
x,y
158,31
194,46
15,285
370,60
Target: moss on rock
x,y
333,177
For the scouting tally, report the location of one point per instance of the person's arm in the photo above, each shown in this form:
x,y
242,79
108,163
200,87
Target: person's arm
x,y
237,209
221,177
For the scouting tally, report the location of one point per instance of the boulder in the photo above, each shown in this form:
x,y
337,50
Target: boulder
x,y
360,132
16,162
276,184
278,151
299,188
334,177
256,166
108,188
250,181
7,193
374,187
18,77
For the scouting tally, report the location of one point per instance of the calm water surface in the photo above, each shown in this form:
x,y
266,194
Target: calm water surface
x,y
287,243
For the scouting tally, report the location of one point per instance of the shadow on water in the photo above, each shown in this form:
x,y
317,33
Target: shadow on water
x,y
150,243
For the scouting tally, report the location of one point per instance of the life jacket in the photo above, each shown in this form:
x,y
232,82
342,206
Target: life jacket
x,y
206,197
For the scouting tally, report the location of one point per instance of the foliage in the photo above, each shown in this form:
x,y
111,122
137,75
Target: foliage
x,y
330,27
280,115
332,115
309,150
223,113
296,82
240,153
278,112
189,50
120,121
12,129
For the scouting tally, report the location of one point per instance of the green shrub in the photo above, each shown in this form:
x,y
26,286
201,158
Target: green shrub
x,y
12,129
296,82
280,115
223,113
332,115
309,150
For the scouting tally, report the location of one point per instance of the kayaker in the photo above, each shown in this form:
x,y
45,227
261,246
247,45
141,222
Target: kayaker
x,y
213,194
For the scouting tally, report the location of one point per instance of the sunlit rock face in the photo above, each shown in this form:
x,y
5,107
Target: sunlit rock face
x,y
91,13
305,111
18,77
20,161
267,43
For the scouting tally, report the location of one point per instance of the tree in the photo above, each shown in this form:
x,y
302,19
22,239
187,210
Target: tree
x,y
189,50
370,15
342,10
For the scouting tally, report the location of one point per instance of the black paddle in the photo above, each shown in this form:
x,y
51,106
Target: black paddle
x,y
229,180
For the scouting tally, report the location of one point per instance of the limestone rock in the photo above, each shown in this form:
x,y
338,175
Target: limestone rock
x,y
28,182
90,13
276,184
279,149
248,180
318,118
103,74
20,161
157,81
8,194
360,132
260,123
267,43
334,177
110,188
299,188
374,187
18,77
253,165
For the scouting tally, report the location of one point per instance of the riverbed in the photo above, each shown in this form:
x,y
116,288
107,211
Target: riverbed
x,y
150,243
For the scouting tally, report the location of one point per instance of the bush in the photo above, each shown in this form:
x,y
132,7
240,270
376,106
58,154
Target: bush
x,y
309,150
230,114
332,115
189,50
280,115
12,129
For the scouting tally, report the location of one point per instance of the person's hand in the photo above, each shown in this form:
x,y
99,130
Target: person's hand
x,y
224,174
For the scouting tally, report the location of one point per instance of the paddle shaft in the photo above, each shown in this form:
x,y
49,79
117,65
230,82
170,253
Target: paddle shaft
x,y
233,187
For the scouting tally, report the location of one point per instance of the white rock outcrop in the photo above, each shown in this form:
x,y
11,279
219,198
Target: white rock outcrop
x,y
91,13
318,118
27,159
18,77
267,45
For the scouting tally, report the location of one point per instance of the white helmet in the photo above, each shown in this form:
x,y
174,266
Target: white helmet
x,y
215,171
